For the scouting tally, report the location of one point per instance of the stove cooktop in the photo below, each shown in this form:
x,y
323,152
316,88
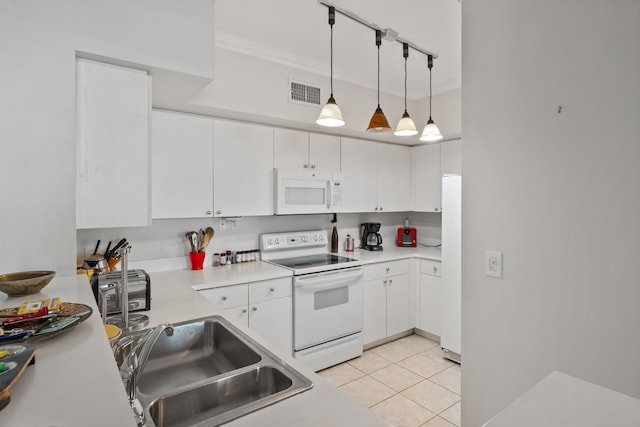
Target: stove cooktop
x,y
309,261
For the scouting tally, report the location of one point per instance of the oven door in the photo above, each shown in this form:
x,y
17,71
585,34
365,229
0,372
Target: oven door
x,y
327,306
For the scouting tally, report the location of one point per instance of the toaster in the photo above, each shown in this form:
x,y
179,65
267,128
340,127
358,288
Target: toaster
x,y
138,283
407,237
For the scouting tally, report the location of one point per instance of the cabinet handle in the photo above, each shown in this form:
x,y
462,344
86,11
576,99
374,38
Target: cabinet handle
x,y
218,212
375,209
380,208
223,298
306,166
254,308
313,166
208,212
384,282
436,209
272,289
244,310
387,269
435,269
390,282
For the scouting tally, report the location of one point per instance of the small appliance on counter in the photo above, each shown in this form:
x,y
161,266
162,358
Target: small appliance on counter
x,y
138,283
371,240
407,236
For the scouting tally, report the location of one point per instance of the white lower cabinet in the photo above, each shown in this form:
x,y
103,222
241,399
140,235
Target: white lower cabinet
x,y
265,306
429,319
387,302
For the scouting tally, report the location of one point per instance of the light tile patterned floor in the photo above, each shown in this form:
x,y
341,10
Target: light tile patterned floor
x,y
406,382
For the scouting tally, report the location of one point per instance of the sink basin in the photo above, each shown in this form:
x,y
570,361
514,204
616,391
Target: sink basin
x,y
196,351
218,401
207,373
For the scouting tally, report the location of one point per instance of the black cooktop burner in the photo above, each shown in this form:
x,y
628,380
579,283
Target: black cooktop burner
x,y
312,261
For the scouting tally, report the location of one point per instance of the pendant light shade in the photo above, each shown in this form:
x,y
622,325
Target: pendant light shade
x,y
430,133
330,115
406,126
378,122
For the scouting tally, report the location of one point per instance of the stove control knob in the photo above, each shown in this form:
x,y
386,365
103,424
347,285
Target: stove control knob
x,y
269,242
304,238
277,241
315,238
321,237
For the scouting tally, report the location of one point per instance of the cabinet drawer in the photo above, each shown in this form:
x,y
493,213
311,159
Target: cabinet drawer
x,y
385,269
431,267
228,296
269,289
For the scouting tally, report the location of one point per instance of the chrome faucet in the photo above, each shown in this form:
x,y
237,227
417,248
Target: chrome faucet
x,y
136,361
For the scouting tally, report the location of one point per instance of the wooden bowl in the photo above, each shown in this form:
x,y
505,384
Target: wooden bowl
x,y
25,282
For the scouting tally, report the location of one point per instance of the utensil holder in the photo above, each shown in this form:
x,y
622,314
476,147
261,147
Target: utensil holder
x,y
197,260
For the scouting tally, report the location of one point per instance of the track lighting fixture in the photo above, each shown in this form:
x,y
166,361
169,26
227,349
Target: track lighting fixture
x,y
406,126
379,122
430,133
331,115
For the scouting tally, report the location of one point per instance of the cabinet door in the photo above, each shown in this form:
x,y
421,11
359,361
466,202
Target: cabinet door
x,y
181,166
273,320
242,169
359,160
426,178
375,311
394,178
113,107
238,315
324,152
290,149
451,157
398,304
430,302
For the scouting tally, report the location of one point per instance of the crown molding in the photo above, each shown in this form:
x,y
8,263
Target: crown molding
x,y
254,49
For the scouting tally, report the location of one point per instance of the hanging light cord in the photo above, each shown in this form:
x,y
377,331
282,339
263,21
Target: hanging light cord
x,y
332,20
405,53
430,65
378,43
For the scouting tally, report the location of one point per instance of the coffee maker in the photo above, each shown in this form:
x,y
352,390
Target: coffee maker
x,y
371,240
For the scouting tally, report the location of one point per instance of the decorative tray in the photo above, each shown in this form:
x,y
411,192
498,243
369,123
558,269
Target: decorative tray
x,y
32,331
14,359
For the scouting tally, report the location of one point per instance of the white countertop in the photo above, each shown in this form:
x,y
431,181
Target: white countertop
x,y
560,400
75,381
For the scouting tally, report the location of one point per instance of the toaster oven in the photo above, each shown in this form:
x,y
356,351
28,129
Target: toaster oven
x,y
138,283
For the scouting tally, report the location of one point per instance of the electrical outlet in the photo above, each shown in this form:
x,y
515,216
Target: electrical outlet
x,y
222,224
493,264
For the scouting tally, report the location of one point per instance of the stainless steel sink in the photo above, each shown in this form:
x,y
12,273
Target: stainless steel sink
x,y
220,400
207,372
196,351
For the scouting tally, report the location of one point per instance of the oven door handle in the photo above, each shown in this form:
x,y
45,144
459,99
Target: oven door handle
x,y
333,280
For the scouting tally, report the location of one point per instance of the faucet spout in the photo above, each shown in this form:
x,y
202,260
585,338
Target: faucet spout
x,y
136,362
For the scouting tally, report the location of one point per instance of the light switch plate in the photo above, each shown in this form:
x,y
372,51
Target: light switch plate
x,y
493,264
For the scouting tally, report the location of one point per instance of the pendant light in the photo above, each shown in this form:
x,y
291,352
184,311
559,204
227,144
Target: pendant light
x,y
406,126
378,123
331,115
430,133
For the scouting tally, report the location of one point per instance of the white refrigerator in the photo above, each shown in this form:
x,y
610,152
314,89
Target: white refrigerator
x,y
451,332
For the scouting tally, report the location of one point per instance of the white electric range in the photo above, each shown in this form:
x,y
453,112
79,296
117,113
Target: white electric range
x,y
327,296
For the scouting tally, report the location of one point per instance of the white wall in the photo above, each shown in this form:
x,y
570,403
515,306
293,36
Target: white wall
x,y
253,89
559,194
38,44
165,239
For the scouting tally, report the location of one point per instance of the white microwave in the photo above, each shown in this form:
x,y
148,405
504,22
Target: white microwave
x,y
306,192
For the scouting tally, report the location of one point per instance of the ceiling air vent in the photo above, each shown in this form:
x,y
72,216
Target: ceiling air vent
x,y
301,93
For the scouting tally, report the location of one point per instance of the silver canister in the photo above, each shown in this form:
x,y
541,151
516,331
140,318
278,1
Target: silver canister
x,y
349,243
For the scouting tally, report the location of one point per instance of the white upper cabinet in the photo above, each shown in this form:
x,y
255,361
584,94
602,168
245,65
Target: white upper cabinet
x,y
360,173
181,165
113,109
426,178
377,176
451,157
294,149
394,178
243,169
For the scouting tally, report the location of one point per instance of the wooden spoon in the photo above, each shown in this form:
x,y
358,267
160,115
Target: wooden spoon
x,y
207,238
189,236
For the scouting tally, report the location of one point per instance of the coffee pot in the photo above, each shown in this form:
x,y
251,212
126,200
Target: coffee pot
x,y
371,240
